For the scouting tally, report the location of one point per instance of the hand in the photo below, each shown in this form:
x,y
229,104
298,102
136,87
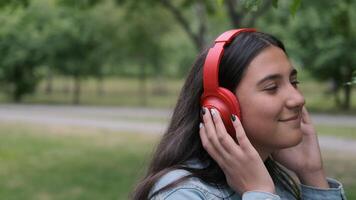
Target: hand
x,y
305,158
241,164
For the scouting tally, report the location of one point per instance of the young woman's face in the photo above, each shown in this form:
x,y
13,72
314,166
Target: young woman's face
x,y
271,103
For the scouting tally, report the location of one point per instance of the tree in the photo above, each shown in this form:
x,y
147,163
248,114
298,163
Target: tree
x,y
193,15
12,3
20,50
143,42
323,37
76,48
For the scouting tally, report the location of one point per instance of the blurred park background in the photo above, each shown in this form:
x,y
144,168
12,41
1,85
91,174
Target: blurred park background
x,y
87,86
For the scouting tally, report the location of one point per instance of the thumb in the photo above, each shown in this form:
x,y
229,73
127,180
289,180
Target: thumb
x,y
305,116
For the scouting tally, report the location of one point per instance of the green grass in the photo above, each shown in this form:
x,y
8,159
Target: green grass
x,y
53,163
56,162
341,166
117,91
337,131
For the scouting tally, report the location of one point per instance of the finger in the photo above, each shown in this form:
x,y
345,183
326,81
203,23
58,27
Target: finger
x,y
211,132
207,145
223,137
241,137
305,116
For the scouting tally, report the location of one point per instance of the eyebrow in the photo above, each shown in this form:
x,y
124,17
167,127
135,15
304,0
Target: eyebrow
x,y
276,76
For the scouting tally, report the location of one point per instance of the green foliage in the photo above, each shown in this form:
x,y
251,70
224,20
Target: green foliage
x,y
14,3
275,3
90,38
220,2
82,39
333,41
294,6
320,38
353,80
254,5
21,54
78,45
81,4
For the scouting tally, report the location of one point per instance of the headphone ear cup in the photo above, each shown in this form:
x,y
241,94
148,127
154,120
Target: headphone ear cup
x,y
231,101
226,103
220,105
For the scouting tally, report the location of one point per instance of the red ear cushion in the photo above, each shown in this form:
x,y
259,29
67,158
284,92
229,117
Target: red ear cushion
x,y
231,100
226,103
221,106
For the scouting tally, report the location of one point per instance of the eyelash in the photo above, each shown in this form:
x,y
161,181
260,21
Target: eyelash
x,y
272,89
295,83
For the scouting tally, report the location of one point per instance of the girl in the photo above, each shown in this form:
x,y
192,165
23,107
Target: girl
x,y
197,158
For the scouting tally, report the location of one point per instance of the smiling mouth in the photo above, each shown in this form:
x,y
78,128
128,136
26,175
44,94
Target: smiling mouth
x,y
290,118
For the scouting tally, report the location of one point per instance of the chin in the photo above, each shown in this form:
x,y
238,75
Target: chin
x,y
293,139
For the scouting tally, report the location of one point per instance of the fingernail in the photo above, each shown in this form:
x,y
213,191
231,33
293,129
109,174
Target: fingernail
x,y
203,111
233,118
213,112
200,125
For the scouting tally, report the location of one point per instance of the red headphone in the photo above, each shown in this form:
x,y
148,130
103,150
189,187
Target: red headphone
x,y
214,96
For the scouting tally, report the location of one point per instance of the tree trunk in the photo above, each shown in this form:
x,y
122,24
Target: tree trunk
x,y
143,86
347,95
66,87
196,38
159,87
334,87
201,15
235,17
337,98
49,81
76,91
17,95
17,91
100,86
347,90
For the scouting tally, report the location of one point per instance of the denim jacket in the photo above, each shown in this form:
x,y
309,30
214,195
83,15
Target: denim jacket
x,y
195,189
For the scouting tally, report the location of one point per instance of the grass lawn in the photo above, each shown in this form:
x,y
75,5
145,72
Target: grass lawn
x,y
69,163
53,163
117,91
337,131
341,166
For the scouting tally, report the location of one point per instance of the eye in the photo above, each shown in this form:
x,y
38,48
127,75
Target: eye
x,y
295,83
271,88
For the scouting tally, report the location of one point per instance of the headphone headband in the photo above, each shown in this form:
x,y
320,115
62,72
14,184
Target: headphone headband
x,y
214,96
212,61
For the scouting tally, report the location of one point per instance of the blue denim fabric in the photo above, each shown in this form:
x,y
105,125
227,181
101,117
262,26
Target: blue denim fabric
x,y
194,189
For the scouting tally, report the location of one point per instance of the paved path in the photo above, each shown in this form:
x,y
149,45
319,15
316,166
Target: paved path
x,y
113,118
144,120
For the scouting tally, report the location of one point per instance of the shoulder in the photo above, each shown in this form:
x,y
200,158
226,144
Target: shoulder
x,y
191,188
170,177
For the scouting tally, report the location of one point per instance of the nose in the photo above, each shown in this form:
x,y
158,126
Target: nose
x,y
294,98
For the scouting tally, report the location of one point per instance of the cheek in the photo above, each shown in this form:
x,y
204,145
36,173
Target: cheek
x,y
260,122
259,125
260,118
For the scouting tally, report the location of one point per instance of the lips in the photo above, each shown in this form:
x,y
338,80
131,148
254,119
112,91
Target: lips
x,y
290,118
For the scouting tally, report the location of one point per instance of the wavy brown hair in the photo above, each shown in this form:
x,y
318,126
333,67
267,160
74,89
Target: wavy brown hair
x,y
181,141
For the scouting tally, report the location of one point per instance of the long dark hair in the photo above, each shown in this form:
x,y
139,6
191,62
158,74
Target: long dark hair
x,y
181,141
